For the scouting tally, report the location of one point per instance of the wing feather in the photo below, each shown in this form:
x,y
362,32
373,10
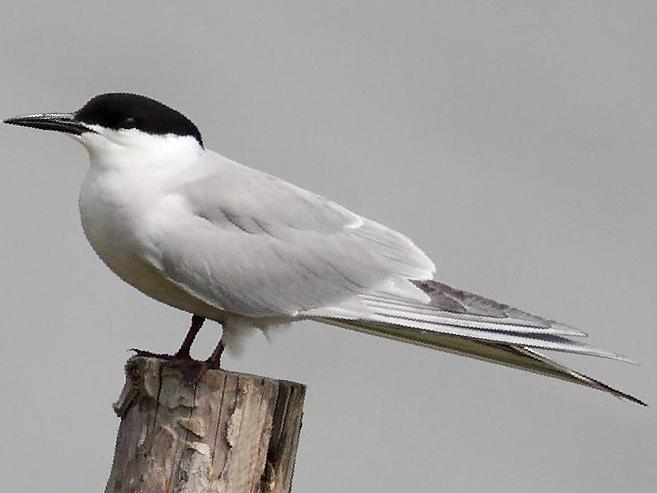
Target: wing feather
x,y
255,245
451,311
503,354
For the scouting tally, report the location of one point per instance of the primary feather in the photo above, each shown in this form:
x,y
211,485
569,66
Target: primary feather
x,y
508,337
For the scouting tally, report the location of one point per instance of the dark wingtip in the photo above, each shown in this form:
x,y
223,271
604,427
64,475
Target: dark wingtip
x,y
631,398
618,393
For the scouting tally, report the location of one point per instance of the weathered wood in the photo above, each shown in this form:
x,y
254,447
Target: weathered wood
x,y
185,430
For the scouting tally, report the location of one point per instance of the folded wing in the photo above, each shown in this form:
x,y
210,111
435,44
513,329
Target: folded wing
x,y
255,245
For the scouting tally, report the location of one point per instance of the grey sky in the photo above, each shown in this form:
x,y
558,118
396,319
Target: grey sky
x,y
513,141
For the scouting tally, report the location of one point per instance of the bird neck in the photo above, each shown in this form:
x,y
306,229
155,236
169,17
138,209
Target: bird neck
x,y
137,150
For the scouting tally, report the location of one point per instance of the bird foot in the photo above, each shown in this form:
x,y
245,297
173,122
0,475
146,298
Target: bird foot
x,y
194,369
179,356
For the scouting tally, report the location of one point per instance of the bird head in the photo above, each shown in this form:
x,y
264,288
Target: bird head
x,y
115,123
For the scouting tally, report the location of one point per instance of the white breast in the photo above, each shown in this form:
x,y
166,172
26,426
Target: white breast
x,y
118,202
111,209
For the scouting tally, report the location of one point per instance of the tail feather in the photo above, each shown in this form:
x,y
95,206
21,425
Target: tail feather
x,y
471,325
537,341
504,354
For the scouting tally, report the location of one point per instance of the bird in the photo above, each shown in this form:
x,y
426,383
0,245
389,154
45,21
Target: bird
x,y
225,242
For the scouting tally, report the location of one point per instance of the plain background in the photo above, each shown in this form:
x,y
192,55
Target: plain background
x,y
515,142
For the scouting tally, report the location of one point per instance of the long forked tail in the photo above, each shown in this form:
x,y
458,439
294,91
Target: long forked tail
x,y
467,324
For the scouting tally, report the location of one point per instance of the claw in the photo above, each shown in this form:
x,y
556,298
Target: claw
x,y
179,356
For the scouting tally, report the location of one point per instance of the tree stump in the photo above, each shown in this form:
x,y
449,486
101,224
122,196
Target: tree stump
x,y
187,430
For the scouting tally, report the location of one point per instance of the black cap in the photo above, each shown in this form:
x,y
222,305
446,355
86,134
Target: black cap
x,y
125,110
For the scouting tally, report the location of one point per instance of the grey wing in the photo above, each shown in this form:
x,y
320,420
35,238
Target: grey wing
x,y
255,245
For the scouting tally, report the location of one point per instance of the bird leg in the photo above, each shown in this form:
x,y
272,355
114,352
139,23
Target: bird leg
x,y
183,353
214,361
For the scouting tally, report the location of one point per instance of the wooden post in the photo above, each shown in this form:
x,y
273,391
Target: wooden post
x,y
185,430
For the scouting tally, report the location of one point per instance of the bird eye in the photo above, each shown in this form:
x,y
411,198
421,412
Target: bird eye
x,y
129,122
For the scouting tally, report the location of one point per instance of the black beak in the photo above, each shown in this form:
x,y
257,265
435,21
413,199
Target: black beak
x,y
60,122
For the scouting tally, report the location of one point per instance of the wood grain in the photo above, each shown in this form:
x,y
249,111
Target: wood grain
x,y
187,430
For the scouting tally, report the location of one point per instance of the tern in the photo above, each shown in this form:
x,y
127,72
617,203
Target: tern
x,y
222,241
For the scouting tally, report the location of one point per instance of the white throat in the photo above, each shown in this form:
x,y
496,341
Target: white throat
x,y
131,149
